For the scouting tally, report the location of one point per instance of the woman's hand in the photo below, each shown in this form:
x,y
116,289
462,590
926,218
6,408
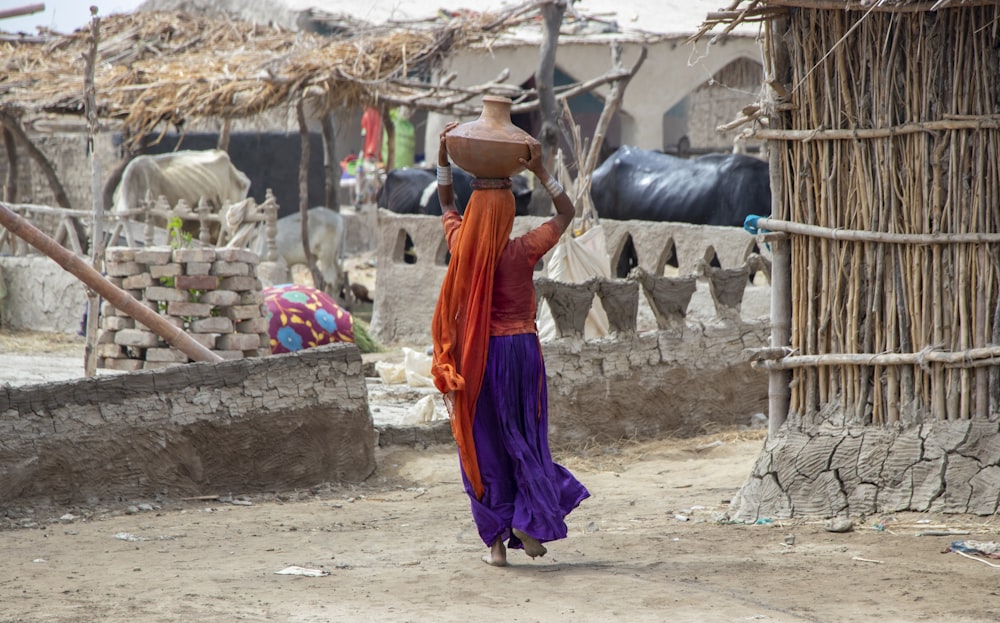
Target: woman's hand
x,y
442,147
534,163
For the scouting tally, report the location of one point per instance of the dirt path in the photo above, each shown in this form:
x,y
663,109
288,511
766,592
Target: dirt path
x,y
403,548
652,544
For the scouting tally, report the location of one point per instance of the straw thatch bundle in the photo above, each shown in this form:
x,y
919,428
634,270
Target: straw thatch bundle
x,y
158,67
884,125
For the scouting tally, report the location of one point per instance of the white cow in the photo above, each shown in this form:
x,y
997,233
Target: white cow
x,y
326,241
188,175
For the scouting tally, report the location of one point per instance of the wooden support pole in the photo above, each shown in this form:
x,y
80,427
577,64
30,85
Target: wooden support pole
x,y
227,128
304,195
389,127
10,186
779,380
97,201
331,167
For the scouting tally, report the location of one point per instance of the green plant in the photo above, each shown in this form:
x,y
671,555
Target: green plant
x,y
176,235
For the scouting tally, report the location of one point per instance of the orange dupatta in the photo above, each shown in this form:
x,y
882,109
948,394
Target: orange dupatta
x,y
461,324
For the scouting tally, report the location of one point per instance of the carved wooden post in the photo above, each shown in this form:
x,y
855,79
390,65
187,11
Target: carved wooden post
x,y
204,227
271,228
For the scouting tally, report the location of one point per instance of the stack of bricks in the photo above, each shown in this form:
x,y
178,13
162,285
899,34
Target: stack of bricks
x,y
212,294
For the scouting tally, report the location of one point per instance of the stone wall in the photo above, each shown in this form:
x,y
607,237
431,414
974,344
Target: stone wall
x,y
241,426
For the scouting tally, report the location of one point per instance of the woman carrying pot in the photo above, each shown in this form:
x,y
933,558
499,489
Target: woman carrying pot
x,y
488,362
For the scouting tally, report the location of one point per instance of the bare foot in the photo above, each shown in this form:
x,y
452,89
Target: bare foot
x,y
531,545
497,556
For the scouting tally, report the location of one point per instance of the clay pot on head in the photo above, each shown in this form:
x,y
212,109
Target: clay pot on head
x,y
490,146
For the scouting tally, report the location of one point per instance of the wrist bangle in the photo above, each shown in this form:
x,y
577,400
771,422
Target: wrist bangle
x,y
444,175
554,187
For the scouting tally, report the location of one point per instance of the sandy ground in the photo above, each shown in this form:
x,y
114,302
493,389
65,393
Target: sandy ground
x,y
653,543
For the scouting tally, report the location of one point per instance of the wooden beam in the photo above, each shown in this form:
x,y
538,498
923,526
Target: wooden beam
x,y
24,10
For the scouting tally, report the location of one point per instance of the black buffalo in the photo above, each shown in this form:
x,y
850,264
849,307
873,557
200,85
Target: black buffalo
x,y
714,189
414,191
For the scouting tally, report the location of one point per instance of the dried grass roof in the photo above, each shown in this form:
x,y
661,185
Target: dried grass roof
x,y
156,67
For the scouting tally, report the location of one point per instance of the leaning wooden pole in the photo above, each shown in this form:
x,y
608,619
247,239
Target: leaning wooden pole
x,y
120,299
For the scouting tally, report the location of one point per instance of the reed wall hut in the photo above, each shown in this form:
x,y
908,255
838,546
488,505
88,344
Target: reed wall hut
x,y
883,122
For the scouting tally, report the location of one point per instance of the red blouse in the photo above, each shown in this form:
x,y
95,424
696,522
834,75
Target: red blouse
x,y
514,305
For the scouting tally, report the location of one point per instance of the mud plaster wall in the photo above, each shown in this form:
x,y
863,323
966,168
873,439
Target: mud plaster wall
x,y
40,296
405,294
633,385
939,466
653,385
241,426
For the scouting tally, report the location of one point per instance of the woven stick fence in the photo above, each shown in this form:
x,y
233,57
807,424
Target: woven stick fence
x,y
893,130
884,121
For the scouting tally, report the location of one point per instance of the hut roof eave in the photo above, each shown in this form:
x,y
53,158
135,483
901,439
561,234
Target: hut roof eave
x,y
164,66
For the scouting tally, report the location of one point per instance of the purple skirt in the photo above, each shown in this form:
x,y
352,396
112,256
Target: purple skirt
x,y
523,488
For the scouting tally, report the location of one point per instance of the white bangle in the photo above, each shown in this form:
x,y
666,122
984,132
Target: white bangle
x,y
554,187
444,175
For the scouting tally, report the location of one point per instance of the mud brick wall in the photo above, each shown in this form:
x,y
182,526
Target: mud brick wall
x,y
211,293
241,426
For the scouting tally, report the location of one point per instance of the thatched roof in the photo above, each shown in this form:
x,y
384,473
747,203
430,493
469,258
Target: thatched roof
x,y
156,67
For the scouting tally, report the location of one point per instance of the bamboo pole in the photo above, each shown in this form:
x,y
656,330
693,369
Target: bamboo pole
x,y
984,122
974,357
853,235
120,299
